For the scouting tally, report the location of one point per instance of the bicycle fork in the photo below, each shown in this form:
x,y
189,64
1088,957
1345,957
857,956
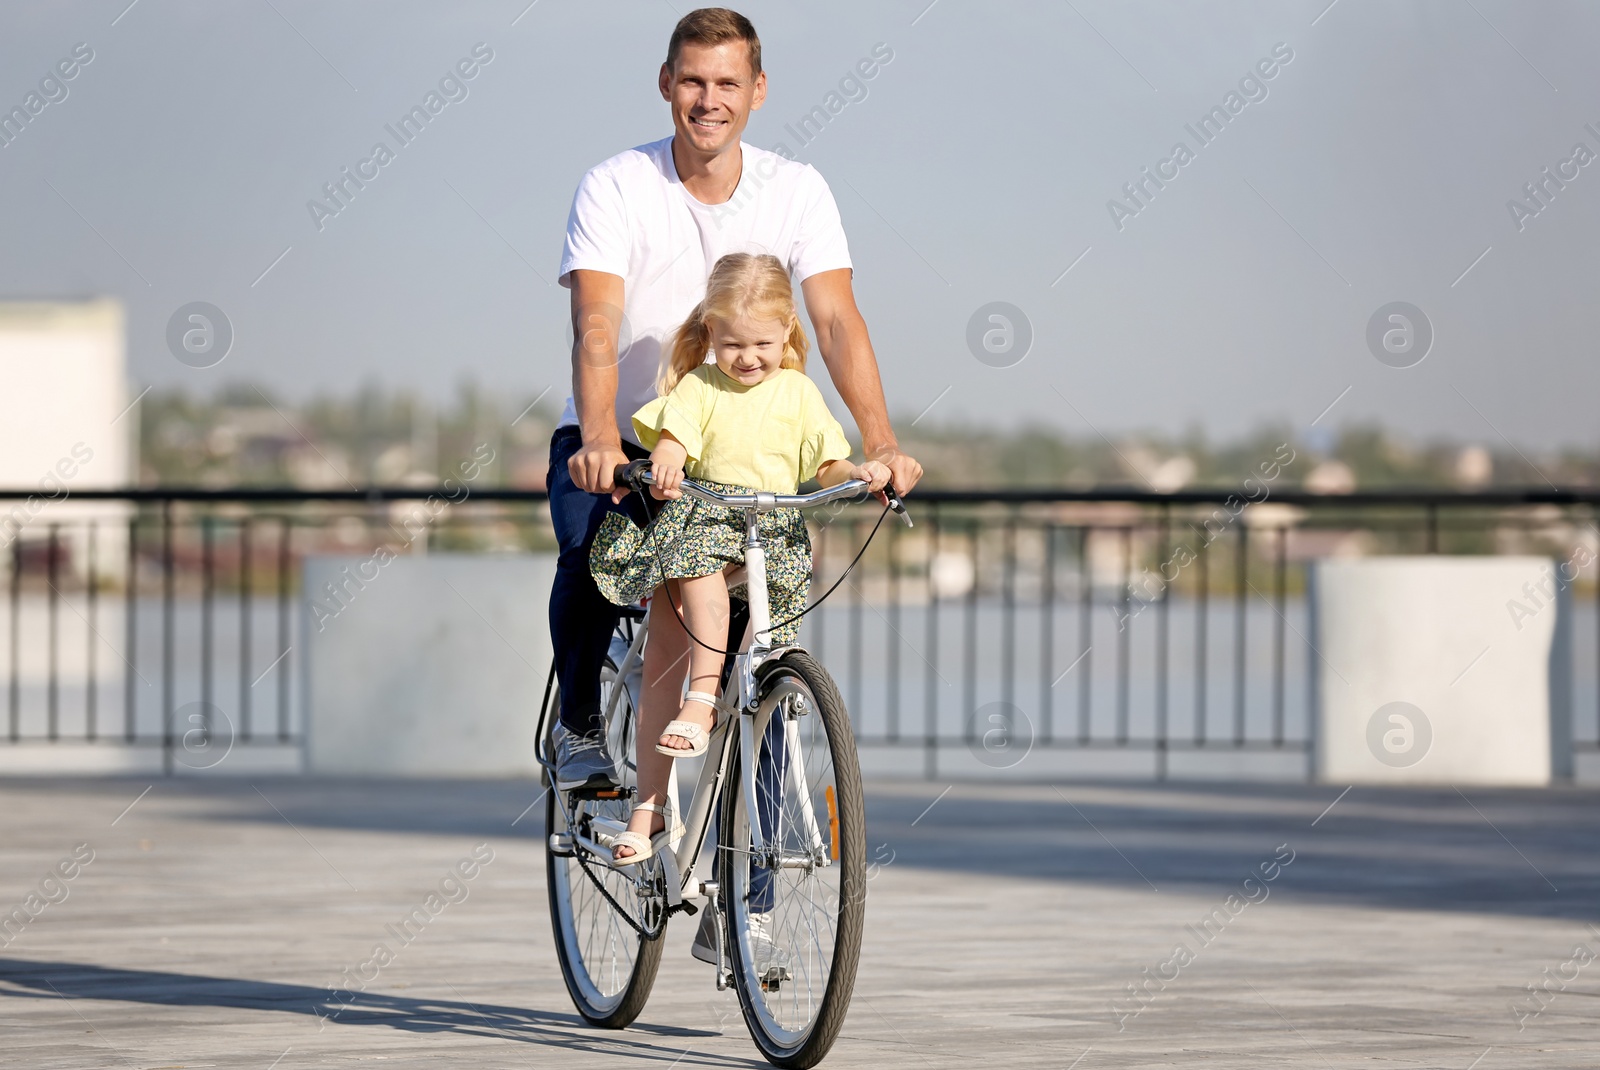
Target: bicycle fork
x,y
762,779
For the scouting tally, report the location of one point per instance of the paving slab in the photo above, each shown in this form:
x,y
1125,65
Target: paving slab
x,y
1086,925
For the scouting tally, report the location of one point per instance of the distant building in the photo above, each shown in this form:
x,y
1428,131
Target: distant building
x,y
64,427
1331,477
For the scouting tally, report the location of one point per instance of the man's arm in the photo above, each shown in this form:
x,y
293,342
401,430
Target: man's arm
x,y
596,318
847,350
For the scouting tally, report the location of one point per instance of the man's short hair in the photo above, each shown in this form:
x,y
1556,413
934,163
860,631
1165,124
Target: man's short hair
x,y
711,26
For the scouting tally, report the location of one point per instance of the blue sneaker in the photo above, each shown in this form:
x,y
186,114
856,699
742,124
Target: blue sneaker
x,y
582,761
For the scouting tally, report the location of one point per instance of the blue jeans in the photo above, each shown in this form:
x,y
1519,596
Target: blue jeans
x,y
581,619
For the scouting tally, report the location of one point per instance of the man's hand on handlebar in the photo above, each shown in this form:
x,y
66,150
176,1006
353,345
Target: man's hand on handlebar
x,y
904,471
874,474
594,466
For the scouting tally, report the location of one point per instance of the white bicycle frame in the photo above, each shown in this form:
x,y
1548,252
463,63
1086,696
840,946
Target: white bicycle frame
x,y
753,717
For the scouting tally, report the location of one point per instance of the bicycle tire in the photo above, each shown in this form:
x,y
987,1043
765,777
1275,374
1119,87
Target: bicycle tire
x,y
802,1038
608,999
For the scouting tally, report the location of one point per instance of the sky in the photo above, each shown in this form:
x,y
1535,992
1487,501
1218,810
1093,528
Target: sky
x,y
983,163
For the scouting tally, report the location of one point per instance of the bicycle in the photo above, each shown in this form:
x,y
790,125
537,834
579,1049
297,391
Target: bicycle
x,y
786,886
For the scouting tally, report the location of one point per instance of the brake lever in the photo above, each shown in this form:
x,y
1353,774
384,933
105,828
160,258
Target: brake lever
x,y
892,499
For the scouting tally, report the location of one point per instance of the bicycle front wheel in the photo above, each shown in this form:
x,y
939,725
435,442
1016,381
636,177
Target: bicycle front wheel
x,y
609,965
795,905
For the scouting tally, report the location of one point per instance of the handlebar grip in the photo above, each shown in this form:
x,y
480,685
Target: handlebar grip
x,y
632,474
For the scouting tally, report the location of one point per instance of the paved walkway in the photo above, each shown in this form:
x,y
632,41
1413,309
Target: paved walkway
x,y
1005,926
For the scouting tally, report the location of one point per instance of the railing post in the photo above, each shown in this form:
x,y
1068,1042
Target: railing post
x,y
930,690
1162,556
1008,613
284,551
1047,637
1201,619
91,698
1085,634
130,693
52,574
168,653
969,660
16,638
246,611
1125,637
1241,569
819,643
207,596
892,640
1280,597
858,595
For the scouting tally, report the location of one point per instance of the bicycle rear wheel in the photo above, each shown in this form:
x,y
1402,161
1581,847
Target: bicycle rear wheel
x,y
795,913
608,964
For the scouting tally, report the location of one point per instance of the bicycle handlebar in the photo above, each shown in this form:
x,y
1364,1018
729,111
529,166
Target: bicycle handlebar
x,y
636,475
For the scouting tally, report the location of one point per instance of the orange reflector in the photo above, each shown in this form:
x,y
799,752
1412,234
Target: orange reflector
x,y
833,823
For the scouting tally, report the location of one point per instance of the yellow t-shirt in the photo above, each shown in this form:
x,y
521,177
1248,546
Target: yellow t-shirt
x,y
770,436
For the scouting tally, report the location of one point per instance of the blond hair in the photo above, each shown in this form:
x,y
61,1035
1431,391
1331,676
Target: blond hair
x,y
741,284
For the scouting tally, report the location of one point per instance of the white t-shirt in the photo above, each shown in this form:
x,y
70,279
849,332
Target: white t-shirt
x,y
632,217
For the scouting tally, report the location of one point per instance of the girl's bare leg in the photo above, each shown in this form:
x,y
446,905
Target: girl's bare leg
x,y
705,610
668,656
666,661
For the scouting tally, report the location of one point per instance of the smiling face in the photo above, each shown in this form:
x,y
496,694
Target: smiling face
x,y
749,350
712,94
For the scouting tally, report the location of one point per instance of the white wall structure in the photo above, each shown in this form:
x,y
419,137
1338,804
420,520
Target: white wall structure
x,y
1440,670
64,425
428,665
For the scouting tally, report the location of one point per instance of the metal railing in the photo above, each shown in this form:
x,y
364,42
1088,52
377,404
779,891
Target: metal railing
x,y
1112,620
1140,622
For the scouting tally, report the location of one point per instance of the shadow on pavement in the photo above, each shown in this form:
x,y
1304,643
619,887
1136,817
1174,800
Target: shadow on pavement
x,y
1519,852
33,979
1533,853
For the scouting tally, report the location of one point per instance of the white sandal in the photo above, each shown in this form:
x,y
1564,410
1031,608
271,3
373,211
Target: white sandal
x,y
643,846
699,739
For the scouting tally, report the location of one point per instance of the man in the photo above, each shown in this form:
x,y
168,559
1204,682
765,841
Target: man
x,y
645,229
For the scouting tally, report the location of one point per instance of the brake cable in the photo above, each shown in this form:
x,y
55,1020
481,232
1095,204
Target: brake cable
x,y
678,610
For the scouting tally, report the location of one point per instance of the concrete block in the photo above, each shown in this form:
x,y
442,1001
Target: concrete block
x,y
425,665
1438,670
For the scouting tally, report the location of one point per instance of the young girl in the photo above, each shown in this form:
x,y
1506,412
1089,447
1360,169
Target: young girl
x,y
750,421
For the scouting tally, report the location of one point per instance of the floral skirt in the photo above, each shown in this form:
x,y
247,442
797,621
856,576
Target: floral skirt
x,y
692,538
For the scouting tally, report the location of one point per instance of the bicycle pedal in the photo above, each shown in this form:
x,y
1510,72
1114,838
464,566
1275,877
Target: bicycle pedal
x,y
599,794
773,979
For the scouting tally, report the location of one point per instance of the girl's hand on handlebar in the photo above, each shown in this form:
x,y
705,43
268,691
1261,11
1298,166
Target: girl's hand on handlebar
x,y
873,473
667,478
666,467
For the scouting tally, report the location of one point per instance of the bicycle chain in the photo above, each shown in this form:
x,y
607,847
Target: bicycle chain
x,y
578,855
648,934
